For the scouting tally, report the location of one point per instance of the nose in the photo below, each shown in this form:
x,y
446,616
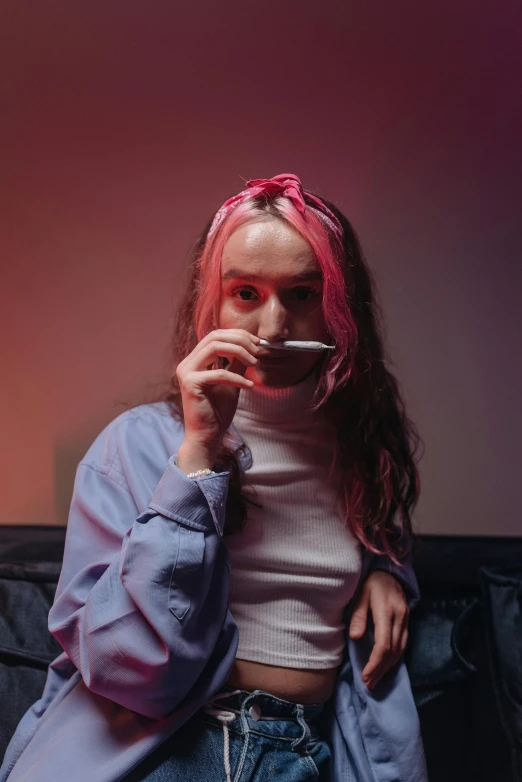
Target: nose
x,y
274,320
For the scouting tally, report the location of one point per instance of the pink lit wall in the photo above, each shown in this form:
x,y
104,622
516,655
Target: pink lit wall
x,y
123,125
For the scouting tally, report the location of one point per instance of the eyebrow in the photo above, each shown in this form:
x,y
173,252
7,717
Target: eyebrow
x,y
302,277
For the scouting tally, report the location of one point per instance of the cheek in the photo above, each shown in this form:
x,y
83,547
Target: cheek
x,y
229,317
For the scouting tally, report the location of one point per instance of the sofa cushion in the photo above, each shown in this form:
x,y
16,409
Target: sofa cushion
x,y
36,543
26,645
502,589
451,683
440,649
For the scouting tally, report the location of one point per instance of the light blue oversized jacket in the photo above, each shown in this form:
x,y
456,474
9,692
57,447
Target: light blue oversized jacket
x,y
141,611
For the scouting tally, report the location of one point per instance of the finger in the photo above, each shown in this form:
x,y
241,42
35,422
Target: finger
x,y
231,337
395,654
391,658
222,377
375,666
235,336
230,350
360,616
404,639
382,648
397,630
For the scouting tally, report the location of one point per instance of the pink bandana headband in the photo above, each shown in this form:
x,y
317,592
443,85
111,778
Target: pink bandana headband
x,y
288,185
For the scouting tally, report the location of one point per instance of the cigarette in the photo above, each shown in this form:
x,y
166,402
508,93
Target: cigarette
x,y
296,345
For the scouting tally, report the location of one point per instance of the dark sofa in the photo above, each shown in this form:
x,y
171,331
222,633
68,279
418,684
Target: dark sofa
x,y
464,654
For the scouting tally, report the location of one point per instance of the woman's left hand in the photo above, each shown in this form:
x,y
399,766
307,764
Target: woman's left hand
x,y
384,596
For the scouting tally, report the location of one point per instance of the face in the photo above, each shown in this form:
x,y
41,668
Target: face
x,y
271,285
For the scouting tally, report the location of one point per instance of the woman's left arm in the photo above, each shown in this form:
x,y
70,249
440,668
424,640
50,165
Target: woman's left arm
x,y
389,592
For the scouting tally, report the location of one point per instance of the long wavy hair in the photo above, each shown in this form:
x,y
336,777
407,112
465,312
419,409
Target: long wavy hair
x,y
376,443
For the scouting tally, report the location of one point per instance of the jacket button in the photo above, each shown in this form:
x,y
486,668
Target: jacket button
x,y
255,711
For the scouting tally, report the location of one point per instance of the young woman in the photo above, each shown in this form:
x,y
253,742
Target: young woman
x,y
227,543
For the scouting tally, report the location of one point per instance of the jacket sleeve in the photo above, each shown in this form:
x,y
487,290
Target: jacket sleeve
x,y
405,574
138,609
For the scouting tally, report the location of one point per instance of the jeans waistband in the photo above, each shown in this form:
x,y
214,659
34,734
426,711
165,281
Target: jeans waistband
x,y
266,706
229,704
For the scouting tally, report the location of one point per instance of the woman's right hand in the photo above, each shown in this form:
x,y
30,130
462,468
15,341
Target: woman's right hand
x,y
210,396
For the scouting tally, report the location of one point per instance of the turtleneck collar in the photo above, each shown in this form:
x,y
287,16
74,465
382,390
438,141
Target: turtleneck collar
x,y
273,405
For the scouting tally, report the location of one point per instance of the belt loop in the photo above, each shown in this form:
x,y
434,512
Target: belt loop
x,y
243,719
305,738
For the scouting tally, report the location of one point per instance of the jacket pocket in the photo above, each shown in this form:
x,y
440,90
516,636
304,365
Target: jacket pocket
x,y
191,550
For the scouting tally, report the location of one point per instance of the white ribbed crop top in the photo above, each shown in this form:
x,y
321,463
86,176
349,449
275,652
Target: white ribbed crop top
x,y
296,565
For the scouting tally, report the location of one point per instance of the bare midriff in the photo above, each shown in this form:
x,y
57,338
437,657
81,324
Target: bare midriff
x,y
301,685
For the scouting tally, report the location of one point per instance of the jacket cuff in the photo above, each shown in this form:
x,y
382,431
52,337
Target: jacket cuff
x,y
199,503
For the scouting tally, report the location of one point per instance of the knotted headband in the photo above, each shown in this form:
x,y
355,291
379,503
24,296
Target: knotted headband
x,y
288,185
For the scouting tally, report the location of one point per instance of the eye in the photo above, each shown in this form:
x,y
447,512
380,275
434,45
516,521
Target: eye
x,y
308,293
242,290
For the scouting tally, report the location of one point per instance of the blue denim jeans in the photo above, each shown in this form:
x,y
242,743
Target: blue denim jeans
x,y
242,736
